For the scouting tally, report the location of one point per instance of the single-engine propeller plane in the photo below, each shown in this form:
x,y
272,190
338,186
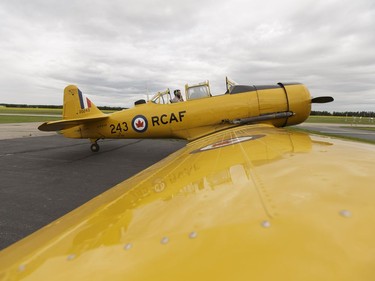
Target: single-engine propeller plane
x,y
202,114
243,200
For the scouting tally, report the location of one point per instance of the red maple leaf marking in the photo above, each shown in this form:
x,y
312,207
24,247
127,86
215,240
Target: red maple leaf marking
x,y
139,124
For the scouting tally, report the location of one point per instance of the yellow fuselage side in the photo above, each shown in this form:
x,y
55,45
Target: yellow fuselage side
x,y
195,118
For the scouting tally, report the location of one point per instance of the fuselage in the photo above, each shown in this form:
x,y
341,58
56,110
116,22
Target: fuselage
x,y
195,118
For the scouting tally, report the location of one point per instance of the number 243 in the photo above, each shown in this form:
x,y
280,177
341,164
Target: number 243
x,y
120,127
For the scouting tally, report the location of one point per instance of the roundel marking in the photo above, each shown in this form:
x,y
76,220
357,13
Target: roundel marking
x,y
139,123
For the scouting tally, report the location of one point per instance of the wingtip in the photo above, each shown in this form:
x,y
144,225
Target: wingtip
x,y
43,127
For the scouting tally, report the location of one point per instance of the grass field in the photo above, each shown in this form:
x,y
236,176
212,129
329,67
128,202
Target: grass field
x,y
23,119
16,110
21,115
341,120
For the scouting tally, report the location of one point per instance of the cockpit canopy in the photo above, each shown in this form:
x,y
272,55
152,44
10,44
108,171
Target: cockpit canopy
x,y
198,91
195,91
163,97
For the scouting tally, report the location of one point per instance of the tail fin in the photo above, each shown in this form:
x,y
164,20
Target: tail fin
x,y
76,105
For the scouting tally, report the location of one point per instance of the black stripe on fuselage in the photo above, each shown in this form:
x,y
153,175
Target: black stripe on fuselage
x,y
247,88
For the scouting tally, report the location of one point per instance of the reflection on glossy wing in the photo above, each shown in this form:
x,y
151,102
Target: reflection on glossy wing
x,y
252,199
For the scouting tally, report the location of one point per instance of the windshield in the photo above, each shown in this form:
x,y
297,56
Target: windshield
x,y
202,90
162,97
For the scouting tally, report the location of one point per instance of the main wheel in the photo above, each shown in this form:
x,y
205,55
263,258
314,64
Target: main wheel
x,y
95,147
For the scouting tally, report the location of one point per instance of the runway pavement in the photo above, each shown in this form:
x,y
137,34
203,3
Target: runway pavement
x,y
339,130
21,130
44,177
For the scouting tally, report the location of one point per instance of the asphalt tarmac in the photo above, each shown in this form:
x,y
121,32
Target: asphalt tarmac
x,y
339,130
45,177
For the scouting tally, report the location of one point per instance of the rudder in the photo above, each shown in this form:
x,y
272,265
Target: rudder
x,y
76,105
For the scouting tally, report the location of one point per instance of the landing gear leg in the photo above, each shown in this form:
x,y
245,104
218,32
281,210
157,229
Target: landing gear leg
x,y
94,146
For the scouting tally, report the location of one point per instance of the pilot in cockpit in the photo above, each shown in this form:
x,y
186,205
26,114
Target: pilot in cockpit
x,y
177,96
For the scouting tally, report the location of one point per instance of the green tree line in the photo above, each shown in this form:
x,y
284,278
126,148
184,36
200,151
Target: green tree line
x,y
344,113
54,106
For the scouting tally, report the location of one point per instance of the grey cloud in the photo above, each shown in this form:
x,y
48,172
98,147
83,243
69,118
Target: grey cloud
x,y
117,50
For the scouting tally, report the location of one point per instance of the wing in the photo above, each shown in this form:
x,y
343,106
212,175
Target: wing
x,y
66,124
249,203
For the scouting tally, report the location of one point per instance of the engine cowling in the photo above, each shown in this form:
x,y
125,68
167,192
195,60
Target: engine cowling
x,y
280,105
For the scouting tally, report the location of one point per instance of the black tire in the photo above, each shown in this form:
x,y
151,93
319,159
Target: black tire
x,y
95,147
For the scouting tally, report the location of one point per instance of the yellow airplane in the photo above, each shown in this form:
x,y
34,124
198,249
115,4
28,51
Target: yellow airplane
x,y
202,114
243,200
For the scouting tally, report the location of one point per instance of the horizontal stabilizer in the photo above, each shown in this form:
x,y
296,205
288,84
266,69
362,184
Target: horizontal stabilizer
x,y
66,124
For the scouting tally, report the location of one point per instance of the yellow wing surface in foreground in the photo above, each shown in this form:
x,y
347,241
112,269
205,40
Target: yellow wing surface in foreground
x,y
249,203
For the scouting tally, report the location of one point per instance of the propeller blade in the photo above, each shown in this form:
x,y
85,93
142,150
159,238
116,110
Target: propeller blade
x,y
322,99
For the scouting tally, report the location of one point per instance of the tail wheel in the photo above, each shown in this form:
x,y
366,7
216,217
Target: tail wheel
x,y
95,147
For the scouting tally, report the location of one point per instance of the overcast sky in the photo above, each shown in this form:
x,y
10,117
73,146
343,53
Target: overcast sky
x,y
116,51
